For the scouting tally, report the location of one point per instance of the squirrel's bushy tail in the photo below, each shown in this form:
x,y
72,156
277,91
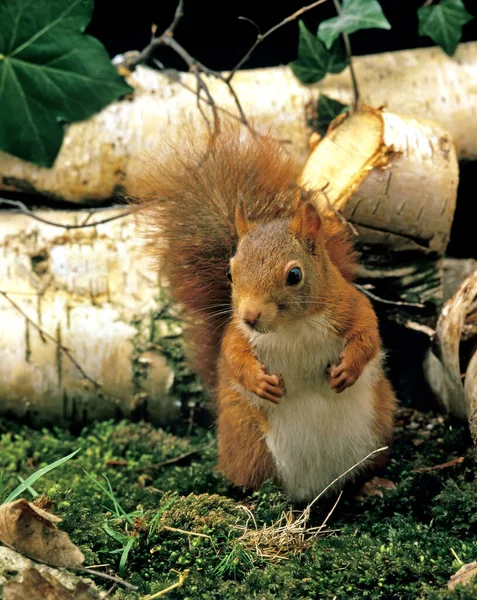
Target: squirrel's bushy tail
x,y
191,191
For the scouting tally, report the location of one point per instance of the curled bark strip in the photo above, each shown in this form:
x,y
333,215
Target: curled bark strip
x,y
451,364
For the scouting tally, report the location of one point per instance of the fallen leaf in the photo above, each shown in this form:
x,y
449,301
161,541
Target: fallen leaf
x,y
33,532
375,487
464,575
44,586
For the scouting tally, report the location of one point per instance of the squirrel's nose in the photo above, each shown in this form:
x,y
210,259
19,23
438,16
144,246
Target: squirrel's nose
x,y
250,316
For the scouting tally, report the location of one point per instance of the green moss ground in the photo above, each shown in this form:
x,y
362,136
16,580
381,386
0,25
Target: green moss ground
x,y
398,546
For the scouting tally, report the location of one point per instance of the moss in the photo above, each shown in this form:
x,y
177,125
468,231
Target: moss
x,y
182,515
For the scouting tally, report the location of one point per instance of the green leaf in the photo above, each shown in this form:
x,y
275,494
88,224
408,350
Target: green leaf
x,y
33,478
314,60
355,15
125,554
443,23
50,74
328,109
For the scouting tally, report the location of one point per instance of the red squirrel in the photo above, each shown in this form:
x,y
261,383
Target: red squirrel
x,y
284,342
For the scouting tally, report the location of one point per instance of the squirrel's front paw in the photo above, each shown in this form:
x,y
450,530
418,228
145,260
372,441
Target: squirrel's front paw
x,y
343,374
268,387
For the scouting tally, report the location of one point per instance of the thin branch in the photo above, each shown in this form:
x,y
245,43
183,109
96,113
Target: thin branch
x,y
197,68
177,530
177,459
112,578
182,578
349,58
446,465
341,217
174,76
23,208
384,301
48,336
419,327
263,36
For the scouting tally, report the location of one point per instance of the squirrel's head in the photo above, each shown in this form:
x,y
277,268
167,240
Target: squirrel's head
x,y
278,274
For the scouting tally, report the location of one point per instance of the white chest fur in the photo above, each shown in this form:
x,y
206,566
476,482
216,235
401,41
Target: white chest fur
x,y
314,434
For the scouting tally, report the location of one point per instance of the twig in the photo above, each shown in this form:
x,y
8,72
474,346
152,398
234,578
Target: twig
x,y
48,336
26,211
199,69
177,459
195,67
186,532
450,463
361,288
341,217
349,58
111,590
322,526
182,578
419,327
112,578
263,36
307,509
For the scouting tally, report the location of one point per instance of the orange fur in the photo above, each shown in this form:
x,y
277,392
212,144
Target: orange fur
x,y
233,203
190,196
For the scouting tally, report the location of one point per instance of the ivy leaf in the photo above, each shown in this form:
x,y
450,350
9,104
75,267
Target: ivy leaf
x,y
443,23
50,73
314,60
355,15
328,109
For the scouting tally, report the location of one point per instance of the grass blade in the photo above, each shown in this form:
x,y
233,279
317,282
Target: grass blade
x,y
33,478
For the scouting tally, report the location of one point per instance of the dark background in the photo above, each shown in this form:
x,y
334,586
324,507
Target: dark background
x,y
212,33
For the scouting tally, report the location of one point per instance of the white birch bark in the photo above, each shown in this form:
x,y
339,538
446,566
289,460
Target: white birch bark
x,y
94,161
84,287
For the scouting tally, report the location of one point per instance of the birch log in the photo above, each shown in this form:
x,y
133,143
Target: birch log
x,y
93,291
395,178
94,161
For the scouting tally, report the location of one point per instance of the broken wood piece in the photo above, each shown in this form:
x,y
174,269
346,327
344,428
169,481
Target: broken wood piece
x,y
395,179
450,365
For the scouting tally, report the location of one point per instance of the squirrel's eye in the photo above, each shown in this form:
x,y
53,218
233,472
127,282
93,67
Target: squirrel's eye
x,y
228,274
294,276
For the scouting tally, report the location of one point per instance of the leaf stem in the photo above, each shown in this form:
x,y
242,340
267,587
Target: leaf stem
x,y
349,57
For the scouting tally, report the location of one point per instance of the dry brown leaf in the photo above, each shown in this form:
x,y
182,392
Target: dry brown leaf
x,y
375,487
43,586
464,575
33,532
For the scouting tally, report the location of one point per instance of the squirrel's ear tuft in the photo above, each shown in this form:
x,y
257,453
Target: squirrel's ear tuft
x,y
242,224
306,224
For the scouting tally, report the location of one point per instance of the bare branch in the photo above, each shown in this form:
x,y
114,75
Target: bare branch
x,y
384,301
196,67
263,36
46,336
341,217
23,208
112,578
